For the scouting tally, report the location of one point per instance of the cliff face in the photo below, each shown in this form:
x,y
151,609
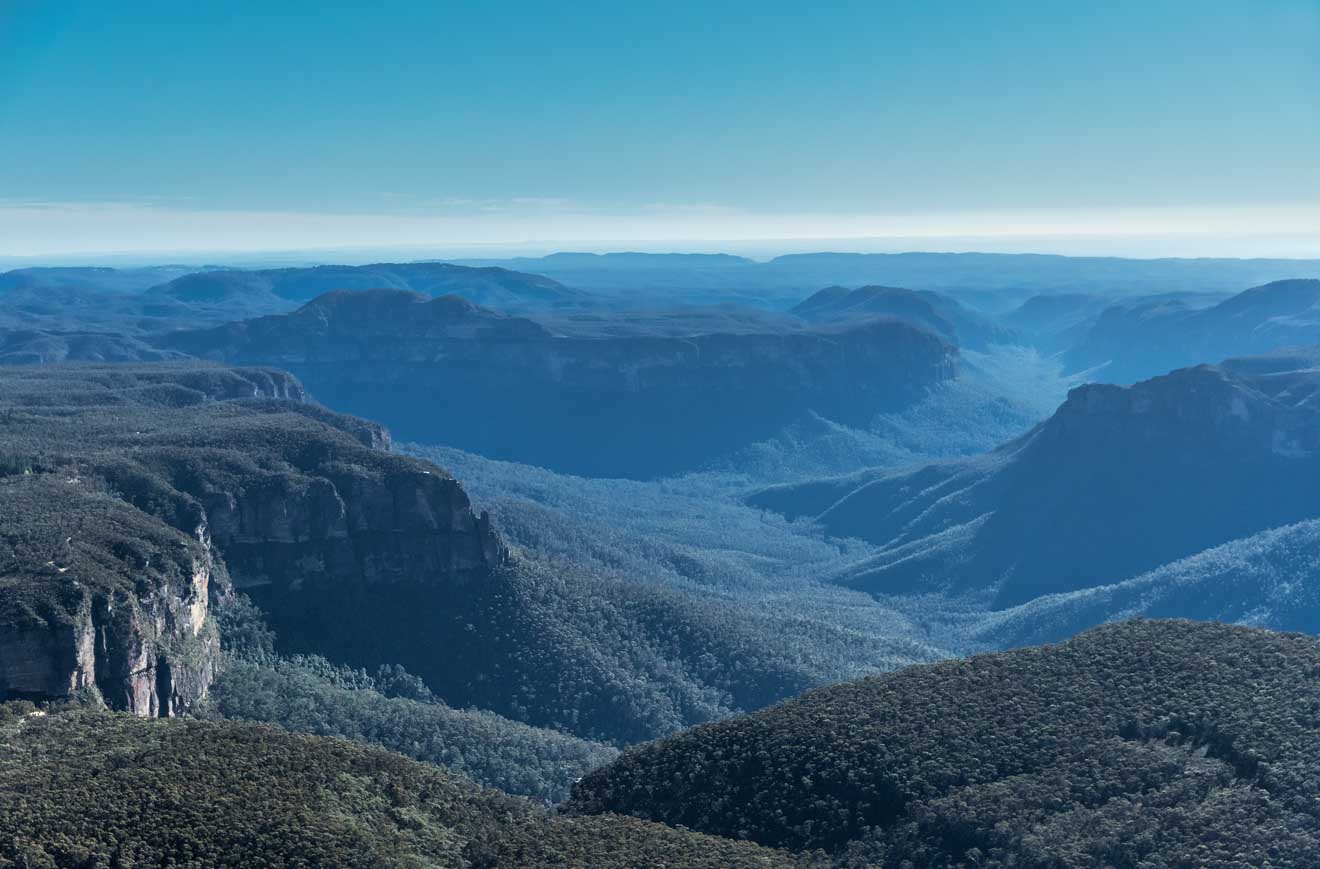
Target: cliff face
x,y
367,529
98,598
573,394
134,495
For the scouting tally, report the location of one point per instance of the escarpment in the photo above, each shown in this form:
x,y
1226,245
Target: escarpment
x,y
133,497
99,599
665,392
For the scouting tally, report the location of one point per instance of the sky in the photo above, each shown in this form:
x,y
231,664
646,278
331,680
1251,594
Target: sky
x,y
1189,127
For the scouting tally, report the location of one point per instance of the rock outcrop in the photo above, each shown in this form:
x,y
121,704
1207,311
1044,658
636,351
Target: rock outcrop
x,y
133,497
100,600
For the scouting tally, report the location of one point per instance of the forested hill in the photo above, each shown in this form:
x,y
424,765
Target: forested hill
x,y
86,789
1142,744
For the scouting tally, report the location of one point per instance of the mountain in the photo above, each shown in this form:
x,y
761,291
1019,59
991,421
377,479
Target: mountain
x,y
143,503
991,282
84,789
1055,322
1118,481
33,347
279,289
79,310
942,315
1127,343
90,278
1138,744
644,399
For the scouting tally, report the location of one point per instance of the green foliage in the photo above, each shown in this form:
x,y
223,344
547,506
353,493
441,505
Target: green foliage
x,y
1140,745
652,606
64,541
395,710
89,789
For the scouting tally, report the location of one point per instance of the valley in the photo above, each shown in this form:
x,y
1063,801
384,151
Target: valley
x,y
648,436
562,538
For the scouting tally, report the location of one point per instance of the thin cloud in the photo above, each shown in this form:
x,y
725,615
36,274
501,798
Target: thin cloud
x,y
35,227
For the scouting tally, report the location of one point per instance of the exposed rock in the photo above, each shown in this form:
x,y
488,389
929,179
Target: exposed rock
x,y
135,494
97,597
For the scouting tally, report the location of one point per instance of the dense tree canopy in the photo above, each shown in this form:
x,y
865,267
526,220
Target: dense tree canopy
x,y
1144,744
102,789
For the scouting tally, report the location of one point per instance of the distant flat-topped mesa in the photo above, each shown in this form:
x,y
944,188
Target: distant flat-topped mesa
x,y
131,497
495,287
584,394
1119,481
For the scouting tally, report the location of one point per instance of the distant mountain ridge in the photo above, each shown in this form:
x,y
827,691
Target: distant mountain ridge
x,y
944,316
1118,481
1129,343
1010,277
492,287
576,395
96,278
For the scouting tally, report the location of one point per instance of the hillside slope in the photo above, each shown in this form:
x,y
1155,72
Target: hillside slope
x,y
1118,481
1139,744
1269,580
99,789
1127,343
943,315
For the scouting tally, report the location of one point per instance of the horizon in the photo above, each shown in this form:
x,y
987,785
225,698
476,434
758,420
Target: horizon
x,y
1183,130
245,260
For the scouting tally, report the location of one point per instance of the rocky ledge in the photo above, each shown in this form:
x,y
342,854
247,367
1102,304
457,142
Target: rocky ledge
x,y
135,496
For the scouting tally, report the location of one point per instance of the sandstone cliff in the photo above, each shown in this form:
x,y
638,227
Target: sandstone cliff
x,y
133,495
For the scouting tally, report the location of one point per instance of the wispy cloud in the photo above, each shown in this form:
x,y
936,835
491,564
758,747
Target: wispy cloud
x,y
33,227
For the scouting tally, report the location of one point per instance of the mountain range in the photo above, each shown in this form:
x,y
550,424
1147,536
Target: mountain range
x,y
1118,481
622,547
575,394
996,281
1128,343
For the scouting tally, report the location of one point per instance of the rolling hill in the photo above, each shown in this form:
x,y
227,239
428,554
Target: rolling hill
x,y
944,316
81,789
1138,744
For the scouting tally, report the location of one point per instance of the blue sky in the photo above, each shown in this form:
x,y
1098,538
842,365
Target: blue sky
x,y
147,125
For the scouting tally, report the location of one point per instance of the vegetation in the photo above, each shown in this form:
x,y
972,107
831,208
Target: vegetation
x,y
1144,744
309,695
103,789
63,539
392,709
